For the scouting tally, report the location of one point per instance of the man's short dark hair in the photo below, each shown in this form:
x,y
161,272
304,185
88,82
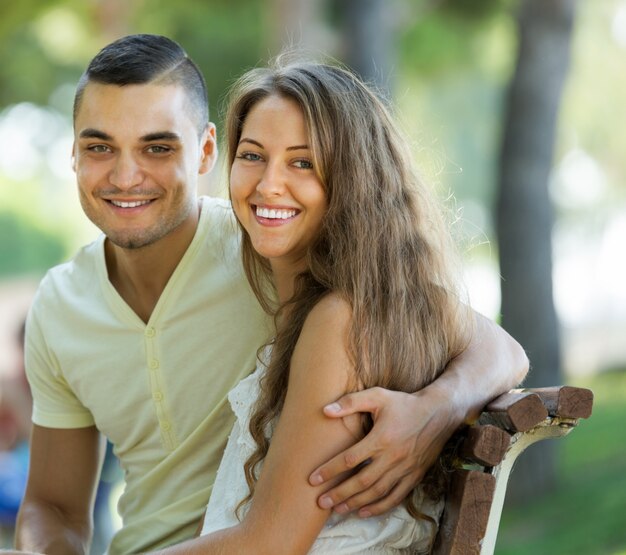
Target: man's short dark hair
x,y
142,59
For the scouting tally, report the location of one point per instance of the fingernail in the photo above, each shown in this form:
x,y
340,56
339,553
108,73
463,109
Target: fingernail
x,y
316,479
343,508
365,514
326,502
333,407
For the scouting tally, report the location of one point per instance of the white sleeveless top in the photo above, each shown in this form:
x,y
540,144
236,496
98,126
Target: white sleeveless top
x,y
395,532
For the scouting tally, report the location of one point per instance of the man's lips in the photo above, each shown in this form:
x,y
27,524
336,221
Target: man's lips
x,y
129,203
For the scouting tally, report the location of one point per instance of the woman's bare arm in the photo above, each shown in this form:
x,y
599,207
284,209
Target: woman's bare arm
x,y
410,430
284,516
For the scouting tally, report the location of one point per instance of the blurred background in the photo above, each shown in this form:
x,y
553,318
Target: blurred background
x,y
514,109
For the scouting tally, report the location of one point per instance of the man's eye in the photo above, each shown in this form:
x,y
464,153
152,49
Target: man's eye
x,y
158,149
304,164
98,149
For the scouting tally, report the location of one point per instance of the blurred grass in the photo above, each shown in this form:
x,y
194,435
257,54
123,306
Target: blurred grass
x,y
586,513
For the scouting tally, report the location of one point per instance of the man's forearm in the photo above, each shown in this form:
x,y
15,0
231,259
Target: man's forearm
x,y
492,363
45,529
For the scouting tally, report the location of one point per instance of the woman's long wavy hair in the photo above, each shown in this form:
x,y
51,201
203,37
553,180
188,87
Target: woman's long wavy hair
x,y
383,247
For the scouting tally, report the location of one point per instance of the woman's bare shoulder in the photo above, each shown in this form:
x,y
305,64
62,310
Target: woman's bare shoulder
x,y
324,344
332,310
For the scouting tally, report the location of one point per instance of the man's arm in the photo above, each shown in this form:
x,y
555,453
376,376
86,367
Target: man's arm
x,y
56,513
410,430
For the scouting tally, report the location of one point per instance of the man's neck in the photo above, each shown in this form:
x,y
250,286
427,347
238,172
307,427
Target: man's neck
x,y
140,275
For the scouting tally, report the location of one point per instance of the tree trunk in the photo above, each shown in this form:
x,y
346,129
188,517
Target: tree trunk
x,y
367,28
295,24
524,211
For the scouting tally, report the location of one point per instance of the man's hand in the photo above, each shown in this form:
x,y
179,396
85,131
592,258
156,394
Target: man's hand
x,y
409,432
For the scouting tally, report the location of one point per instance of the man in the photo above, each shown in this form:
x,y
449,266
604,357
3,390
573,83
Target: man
x,y
142,335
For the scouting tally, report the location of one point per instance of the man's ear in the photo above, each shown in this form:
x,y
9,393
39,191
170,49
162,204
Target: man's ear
x,y
73,156
208,149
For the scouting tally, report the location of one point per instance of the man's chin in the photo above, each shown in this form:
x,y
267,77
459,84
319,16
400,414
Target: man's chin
x,y
132,242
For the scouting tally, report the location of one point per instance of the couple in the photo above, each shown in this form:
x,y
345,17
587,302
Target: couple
x,y
144,333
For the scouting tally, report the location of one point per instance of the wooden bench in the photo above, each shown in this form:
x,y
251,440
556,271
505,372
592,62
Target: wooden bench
x,y
485,454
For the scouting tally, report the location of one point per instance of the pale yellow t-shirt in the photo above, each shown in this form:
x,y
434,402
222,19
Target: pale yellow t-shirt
x,y
157,391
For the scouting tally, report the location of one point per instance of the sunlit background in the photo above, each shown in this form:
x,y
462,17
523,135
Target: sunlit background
x,y
449,68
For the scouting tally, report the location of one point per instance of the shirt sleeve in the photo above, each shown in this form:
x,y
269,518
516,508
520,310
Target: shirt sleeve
x,y
54,403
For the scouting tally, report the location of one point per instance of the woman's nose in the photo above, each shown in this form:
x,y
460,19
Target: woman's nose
x,y
272,182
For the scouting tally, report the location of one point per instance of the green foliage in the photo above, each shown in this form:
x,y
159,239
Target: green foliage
x,y
452,36
44,44
26,248
472,11
224,38
49,42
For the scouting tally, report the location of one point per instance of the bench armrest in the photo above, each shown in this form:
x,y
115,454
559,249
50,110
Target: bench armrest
x,y
485,455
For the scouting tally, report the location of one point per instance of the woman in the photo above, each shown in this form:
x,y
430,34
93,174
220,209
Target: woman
x,y
338,228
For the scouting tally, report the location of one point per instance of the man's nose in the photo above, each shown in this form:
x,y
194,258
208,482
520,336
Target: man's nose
x,y
126,173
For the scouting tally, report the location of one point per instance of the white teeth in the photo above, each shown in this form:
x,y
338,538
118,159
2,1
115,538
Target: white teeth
x,y
132,204
275,214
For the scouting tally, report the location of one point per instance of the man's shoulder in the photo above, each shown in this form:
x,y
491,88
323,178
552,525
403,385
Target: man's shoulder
x,y
215,203
218,224
217,208
79,272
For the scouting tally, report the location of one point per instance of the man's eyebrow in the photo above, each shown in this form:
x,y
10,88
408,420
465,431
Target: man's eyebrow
x,y
91,133
161,136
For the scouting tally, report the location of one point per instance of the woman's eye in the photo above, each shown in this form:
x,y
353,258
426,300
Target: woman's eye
x,y
250,156
304,164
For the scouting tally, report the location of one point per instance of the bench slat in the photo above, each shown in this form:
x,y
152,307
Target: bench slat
x,y
465,516
515,411
566,401
485,445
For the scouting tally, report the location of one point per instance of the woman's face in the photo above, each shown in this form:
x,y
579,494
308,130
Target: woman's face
x,y
276,193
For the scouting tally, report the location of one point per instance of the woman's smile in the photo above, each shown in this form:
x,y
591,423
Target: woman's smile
x,y
276,193
274,215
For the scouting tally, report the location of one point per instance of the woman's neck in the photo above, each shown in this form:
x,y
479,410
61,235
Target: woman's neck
x,y
284,276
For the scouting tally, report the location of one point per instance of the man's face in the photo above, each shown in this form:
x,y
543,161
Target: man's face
x,y
137,157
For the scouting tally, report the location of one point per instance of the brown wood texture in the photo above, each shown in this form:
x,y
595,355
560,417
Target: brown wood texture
x,y
515,411
566,401
485,445
466,513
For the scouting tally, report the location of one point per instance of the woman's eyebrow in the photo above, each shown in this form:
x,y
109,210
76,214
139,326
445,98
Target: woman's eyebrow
x,y
257,143
252,141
